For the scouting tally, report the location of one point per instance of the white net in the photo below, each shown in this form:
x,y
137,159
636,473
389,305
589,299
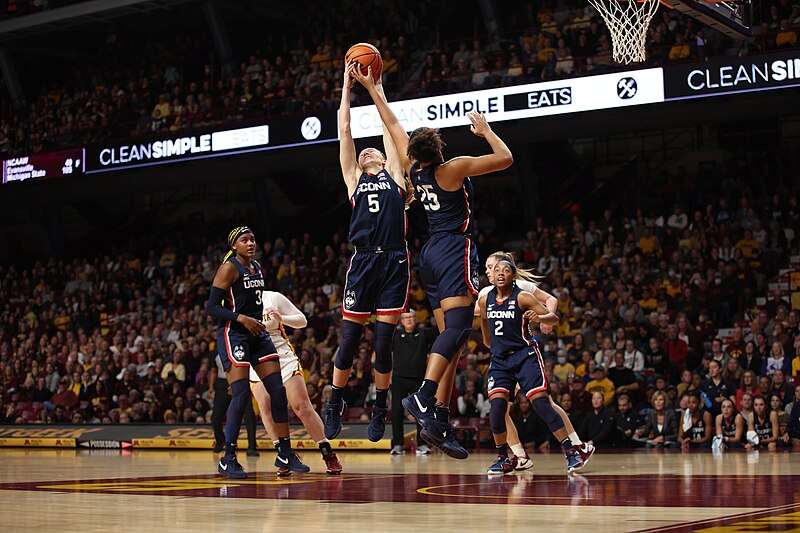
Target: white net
x,y
628,21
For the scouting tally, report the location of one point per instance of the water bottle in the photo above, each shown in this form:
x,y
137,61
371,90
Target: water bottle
x,y
706,400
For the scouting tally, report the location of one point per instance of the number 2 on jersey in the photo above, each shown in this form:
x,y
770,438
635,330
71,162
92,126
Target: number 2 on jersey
x,y
498,328
428,197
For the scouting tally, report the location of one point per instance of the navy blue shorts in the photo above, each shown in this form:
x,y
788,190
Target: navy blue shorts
x,y
244,349
448,266
376,281
524,367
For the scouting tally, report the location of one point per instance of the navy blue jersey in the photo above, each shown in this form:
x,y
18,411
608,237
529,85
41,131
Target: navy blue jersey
x,y
698,429
244,296
379,212
447,210
507,325
729,429
763,429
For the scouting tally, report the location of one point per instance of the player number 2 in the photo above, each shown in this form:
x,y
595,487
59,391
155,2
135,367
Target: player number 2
x,y
498,327
374,205
428,197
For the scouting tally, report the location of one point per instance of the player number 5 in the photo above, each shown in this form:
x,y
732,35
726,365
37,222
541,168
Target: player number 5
x,y
374,205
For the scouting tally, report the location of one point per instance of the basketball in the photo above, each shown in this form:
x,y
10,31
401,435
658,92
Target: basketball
x,y
367,56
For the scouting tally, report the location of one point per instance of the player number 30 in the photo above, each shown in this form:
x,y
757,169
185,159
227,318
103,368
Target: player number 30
x,y
428,198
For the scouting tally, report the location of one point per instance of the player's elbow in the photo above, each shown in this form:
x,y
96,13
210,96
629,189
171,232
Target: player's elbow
x,y
506,160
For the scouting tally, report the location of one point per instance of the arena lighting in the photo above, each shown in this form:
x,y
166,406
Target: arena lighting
x,y
605,91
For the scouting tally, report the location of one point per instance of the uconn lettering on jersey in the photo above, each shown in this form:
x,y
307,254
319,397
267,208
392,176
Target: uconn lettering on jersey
x,y
500,314
371,187
253,283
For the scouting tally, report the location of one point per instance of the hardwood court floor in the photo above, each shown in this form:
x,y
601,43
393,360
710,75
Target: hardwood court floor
x,y
94,490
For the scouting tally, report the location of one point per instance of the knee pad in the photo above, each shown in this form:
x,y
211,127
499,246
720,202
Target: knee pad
x,y
548,414
351,335
384,333
497,415
457,327
277,392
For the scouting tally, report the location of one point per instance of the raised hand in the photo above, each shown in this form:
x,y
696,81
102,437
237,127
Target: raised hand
x,y
364,79
349,81
479,125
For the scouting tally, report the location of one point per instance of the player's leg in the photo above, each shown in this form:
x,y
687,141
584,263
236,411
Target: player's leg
x,y
222,400
497,420
240,395
382,372
585,450
523,461
301,404
359,299
265,407
454,319
250,425
269,371
531,376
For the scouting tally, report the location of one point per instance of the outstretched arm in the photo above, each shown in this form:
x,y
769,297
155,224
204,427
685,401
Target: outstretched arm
x,y
389,119
452,173
285,312
535,311
480,310
347,148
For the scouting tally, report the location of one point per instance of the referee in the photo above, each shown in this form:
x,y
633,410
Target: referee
x,y
411,346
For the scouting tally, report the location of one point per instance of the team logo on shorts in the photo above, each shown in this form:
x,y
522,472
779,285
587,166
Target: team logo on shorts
x,y
349,299
238,353
474,278
490,385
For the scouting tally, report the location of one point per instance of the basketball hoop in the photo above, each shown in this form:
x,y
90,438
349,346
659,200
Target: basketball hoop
x,y
628,21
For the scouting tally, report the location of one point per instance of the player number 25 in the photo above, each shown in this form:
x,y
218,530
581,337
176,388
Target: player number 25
x,y
374,205
428,198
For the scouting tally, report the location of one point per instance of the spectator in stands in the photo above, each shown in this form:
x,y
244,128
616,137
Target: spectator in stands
x,y
716,389
794,400
623,377
780,388
600,383
563,369
776,360
634,359
661,423
676,349
750,359
655,358
792,434
598,425
787,36
627,421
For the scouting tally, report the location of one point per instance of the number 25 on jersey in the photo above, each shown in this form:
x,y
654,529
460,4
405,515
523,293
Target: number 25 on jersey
x,y
428,197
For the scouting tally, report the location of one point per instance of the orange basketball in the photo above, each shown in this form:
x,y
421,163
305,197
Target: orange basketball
x,y
367,56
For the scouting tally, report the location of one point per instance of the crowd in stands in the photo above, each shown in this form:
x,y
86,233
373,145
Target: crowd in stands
x,y
122,335
135,89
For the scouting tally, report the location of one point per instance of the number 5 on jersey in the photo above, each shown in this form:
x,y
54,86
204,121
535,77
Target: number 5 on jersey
x,y
374,205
